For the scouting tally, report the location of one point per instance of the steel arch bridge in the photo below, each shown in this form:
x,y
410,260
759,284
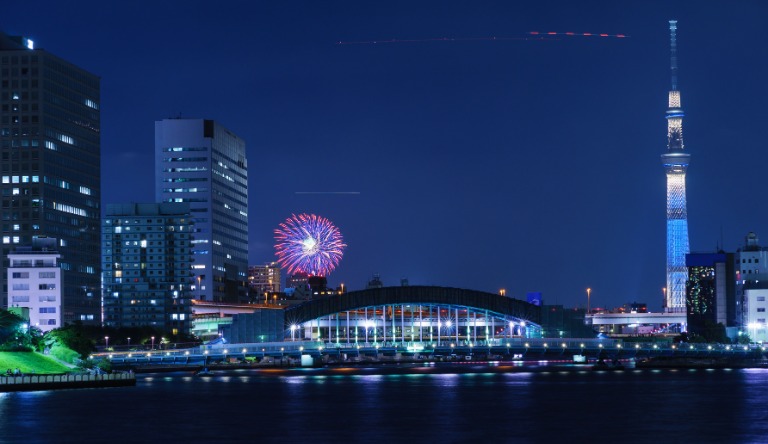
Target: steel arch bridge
x,y
412,312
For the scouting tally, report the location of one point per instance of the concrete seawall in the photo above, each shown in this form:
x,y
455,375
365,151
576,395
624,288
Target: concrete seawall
x,y
54,382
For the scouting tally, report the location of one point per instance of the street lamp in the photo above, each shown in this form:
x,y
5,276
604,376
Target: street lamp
x,y
293,329
129,341
153,342
589,290
106,341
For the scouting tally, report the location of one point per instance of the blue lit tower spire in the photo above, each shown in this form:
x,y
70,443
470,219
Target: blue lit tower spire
x,y
675,162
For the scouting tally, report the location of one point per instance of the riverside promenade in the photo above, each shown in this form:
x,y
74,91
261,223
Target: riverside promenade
x,y
66,381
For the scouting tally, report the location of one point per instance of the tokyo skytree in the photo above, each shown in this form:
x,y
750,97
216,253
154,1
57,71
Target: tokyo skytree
x,y
675,162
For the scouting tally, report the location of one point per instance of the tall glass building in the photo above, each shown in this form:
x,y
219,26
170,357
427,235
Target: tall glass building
x,y
200,162
51,173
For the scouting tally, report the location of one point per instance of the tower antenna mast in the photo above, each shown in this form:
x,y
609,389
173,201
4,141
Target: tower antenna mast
x,y
673,52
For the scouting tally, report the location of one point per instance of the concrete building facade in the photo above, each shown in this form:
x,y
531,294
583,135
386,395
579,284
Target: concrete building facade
x,y
147,259
264,279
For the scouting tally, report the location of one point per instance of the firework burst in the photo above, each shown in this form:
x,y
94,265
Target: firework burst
x,y
308,243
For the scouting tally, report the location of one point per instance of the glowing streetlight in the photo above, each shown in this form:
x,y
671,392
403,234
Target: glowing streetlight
x,y
293,329
589,291
153,342
106,342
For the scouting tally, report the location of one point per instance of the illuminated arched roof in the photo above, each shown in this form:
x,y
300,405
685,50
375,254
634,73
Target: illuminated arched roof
x,y
423,295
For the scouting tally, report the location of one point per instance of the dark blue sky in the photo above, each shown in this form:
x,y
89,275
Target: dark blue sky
x,y
525,165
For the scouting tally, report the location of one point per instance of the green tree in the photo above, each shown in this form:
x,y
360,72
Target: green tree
x,y
16,334
743,339
71,336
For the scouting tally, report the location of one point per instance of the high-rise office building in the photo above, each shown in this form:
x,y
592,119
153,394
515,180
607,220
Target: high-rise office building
x,y
675,162
146,262
50,148
202,163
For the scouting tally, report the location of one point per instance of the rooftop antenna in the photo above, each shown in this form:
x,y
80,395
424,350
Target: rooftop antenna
x,y
673,46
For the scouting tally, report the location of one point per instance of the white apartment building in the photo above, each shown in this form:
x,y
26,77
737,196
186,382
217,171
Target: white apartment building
x,y
34,282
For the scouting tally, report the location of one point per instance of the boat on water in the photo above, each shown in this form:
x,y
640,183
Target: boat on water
x,y
602,365
204,372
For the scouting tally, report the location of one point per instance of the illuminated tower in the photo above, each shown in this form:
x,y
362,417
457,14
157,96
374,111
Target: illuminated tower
x,y
675,162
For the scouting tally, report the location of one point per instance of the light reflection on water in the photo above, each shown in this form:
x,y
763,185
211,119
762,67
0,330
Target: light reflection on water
x,y
241,406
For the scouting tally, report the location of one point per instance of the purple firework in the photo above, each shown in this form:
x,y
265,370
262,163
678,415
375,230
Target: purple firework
x,y
308,243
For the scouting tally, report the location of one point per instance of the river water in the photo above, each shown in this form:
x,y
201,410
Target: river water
x,y
629,406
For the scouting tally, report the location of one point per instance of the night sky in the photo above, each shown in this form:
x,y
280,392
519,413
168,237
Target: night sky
x,y
527,165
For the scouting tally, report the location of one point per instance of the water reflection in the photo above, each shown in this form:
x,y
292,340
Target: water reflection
x,y
637,406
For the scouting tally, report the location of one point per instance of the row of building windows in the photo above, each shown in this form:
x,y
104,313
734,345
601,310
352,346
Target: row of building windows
x,y
25,298
41,274
15,60
17,131
23,287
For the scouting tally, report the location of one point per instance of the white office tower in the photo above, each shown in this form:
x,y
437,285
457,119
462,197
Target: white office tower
x,y
202,163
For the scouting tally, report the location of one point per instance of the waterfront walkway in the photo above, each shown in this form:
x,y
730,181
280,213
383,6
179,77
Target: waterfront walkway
x,y
521,349
50,382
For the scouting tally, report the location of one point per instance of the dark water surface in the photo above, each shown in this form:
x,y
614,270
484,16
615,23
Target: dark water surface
x,y
631,406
